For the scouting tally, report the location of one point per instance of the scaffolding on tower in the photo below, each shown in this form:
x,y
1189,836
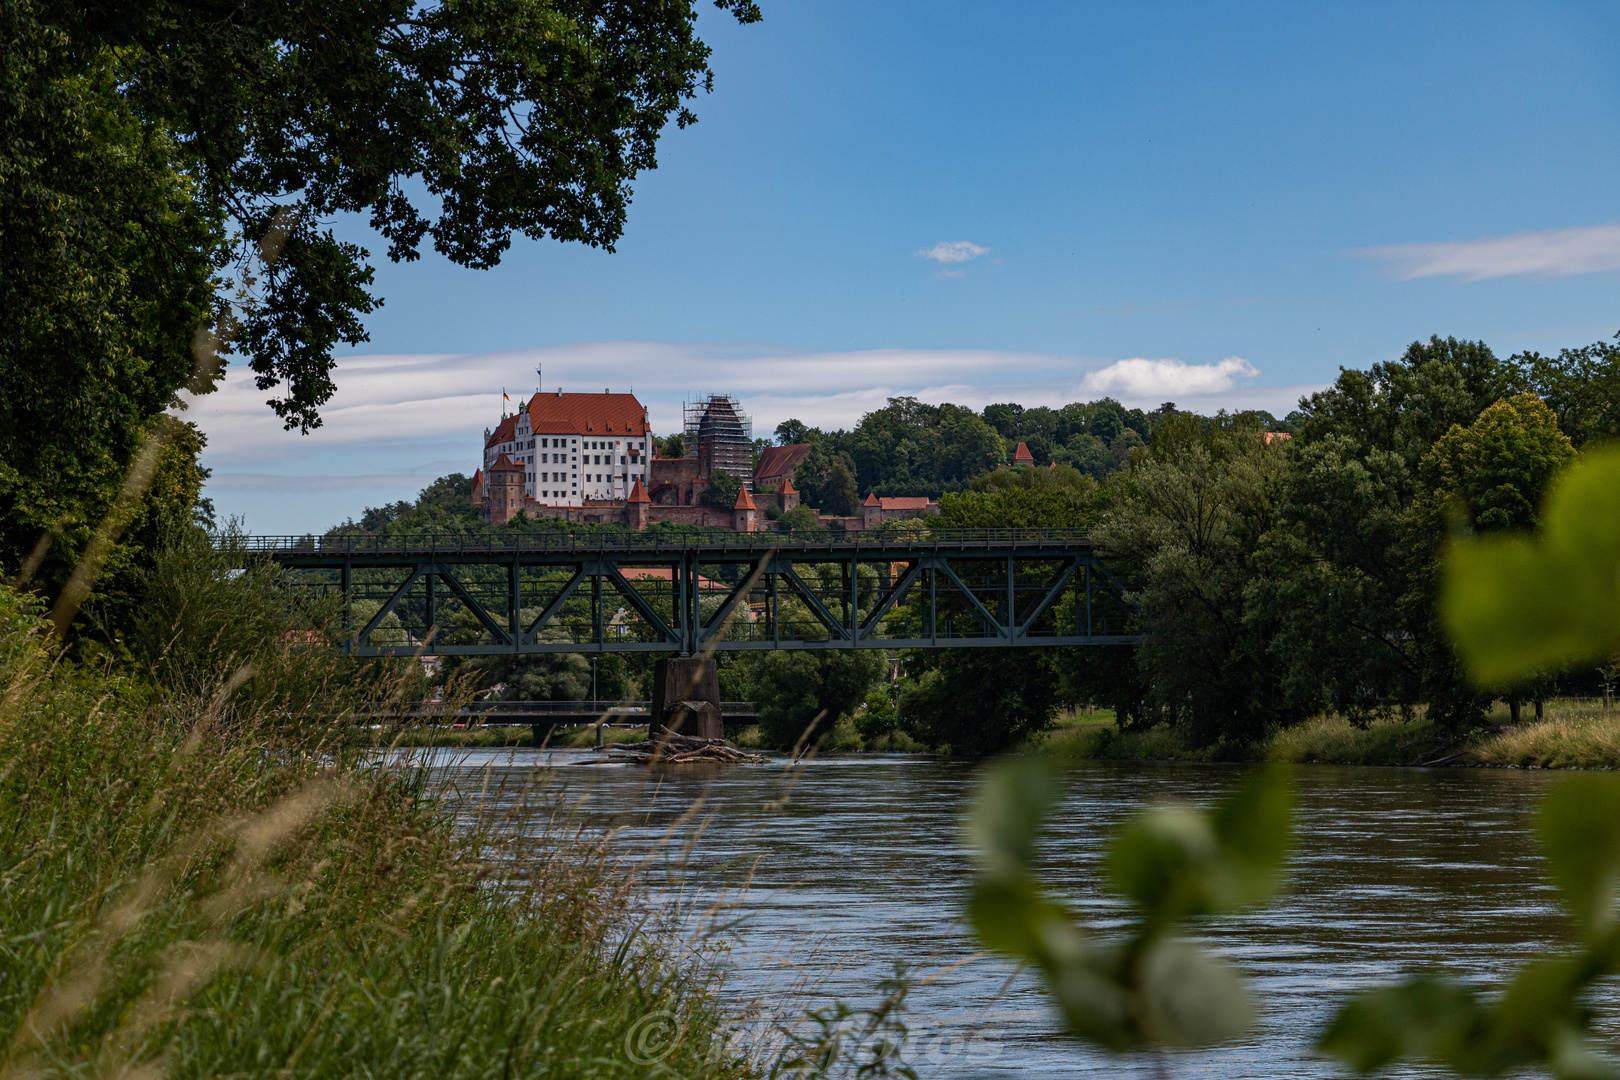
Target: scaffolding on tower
x,y
720,436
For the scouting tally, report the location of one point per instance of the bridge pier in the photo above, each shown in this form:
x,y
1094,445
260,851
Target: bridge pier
x,y
686,698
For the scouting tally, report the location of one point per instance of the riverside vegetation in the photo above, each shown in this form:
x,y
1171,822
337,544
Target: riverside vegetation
x,y
200,879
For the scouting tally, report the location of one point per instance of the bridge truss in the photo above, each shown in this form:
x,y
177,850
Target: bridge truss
x,y
940,589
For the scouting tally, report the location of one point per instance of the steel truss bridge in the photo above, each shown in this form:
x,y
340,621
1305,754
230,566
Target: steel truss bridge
x,y
429,595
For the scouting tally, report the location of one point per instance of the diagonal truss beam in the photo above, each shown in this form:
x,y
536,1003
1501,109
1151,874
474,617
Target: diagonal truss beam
x,y
990,620
502,637
555,606
1021,629
639,602
382,612
834,626
912,575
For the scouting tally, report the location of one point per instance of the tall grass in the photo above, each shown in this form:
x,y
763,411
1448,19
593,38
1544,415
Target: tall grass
x,y
198,878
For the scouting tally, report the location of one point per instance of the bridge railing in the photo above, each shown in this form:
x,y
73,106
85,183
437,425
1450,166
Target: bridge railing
x,y
496,710
373,543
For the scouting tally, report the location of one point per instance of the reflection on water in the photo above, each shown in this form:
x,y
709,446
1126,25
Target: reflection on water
x,y
861,865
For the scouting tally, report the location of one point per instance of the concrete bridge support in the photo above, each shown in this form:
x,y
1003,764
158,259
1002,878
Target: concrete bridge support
x,y
686,698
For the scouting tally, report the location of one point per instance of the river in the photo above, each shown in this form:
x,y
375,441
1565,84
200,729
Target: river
x,y
856,862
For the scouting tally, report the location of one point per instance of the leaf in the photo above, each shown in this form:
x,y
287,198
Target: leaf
x,y
1516,606
1579,826
1254,830
1011,916
1012,800
1191,998
1422,1017
1094,1005
1159,860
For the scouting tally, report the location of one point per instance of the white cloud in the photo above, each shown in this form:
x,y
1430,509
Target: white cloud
x,y
947,252
1141,378
1588,249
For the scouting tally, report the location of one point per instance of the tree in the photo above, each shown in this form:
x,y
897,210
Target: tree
x,y
1346,571
1186,529
978,701
803,693
1021,498
722,489
170,166
839,496
1581,386
789,432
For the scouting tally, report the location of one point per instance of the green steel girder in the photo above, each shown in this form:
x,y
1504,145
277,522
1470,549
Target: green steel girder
x,y
759,577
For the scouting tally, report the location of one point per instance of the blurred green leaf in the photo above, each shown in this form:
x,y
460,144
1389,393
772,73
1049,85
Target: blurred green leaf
x,y
1159,859
1516,606
1013,798
1094,1004
1422,1017
1579,825
1011,916
1254,827
1190,998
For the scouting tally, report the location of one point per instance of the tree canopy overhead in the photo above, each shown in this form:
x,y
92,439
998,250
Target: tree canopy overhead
x,y
169,171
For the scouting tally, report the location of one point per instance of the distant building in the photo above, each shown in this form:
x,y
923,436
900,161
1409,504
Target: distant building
x,y
1022,456
574,448
779,464
880,508
720,437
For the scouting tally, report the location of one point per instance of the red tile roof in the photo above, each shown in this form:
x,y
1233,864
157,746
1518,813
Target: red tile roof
x,y
787,487
1273,436
743,501
871,500
777,461
638,493
1022,456
577,414
505,464
904,502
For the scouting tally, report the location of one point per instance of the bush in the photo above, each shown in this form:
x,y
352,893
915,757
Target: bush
x,y
979,701
802,694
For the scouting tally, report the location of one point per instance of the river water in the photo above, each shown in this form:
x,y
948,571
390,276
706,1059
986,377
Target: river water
x,y
856,863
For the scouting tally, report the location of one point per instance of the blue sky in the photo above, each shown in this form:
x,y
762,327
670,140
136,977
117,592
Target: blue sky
x,y
980,202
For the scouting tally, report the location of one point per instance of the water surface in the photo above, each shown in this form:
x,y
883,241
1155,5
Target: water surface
x,y
857,862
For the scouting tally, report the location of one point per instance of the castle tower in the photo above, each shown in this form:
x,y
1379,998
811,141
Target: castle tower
x,y
638,507
743,513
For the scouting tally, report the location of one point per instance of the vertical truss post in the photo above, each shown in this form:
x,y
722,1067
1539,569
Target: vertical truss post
x,y
933,605
1012,601
432,605
1088,598
346,583
852,579
596,607
516,622
774,611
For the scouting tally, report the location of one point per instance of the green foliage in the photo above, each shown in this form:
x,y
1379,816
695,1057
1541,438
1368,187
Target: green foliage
x,y
878,716
1539,1017
978,701
1032,498
1517,604
722,489
1145,987
801,521
837,490
801,694
1186,531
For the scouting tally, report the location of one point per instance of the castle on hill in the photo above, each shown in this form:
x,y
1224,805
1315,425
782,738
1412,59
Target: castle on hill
x,y
592,458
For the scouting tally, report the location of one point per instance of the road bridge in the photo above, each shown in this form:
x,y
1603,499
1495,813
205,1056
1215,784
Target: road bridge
x,y
898,588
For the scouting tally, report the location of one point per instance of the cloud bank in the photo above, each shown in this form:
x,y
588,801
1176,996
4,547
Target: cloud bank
x,y
1589,249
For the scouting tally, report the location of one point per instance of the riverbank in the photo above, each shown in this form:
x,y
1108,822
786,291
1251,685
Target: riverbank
x,y
213,883
1572,735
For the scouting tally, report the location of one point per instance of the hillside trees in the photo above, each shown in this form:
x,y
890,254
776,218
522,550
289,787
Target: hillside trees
x,y
168,170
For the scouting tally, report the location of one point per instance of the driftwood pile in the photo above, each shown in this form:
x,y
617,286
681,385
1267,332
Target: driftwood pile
x,y
674,749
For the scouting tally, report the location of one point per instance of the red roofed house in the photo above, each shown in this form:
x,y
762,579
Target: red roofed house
x,y
778,464
1022,456
878,509
575,448
1274,436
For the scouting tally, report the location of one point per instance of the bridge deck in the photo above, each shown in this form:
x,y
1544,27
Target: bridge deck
x,y
893,588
